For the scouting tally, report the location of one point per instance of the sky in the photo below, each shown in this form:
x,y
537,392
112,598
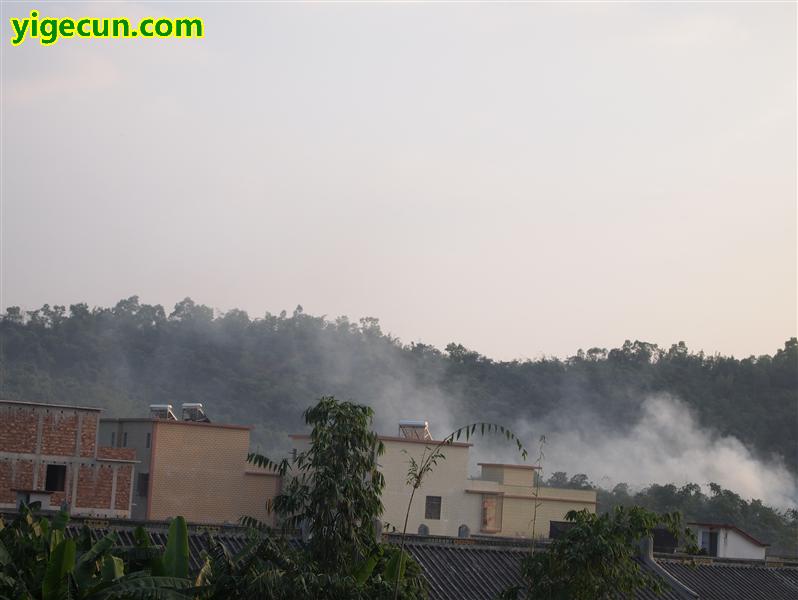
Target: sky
x,y
524,179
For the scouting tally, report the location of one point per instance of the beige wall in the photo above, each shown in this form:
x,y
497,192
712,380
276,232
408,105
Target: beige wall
x,y
518,503
461,496
200,471
522,475
447,480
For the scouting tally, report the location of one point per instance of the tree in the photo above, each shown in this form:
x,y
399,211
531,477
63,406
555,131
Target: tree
x,y
594,559
558,479
333,494
335,485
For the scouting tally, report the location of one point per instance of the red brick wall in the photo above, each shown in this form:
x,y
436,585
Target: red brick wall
x,y
17,429
88,434
116,453
123,478
94,486
15,474
59,432
6,495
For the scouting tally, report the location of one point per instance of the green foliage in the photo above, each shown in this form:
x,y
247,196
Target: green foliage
x,y
333,493
779,528
128,356
335,486
594,560
175,559
262,371
267,567
37,562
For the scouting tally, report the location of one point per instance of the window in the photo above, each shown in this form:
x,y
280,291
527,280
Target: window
x,y
433,508
709,542
423,529
124,440
143,484
491,513
56,478
149,439
463,531
113,439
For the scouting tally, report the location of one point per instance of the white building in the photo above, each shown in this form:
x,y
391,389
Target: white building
x,y
727,541
502,501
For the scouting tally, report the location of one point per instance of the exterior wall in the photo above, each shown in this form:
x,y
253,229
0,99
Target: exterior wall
x,y
136,430
521,475
14,474
258,488
462,498
200,471
517,506
33,436
731,544
446,480
18,433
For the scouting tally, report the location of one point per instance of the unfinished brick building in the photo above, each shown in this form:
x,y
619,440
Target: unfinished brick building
x,y
50,453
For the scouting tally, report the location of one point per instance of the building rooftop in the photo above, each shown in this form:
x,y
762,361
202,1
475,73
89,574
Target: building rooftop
x,y
746,535
393,438
478,569
48,405
509,466
172,422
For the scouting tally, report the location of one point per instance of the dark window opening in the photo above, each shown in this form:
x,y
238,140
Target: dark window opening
x,y
709,543
124,440
433,508
56,478
423,529
149,439
144,484
113,439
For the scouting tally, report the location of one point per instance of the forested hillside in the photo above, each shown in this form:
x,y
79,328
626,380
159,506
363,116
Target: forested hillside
x,y
265,371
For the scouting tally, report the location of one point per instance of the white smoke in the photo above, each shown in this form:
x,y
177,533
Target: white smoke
x,y
665,445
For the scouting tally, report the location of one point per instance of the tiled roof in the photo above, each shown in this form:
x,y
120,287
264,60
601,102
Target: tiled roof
x,y
457,571
467,572
233,537
478,569
732,581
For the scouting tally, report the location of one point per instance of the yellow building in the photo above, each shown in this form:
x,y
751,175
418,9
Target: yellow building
x,y
508,502
500,502
192,467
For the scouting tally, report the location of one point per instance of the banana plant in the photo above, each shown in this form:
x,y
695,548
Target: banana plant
x,y
39,562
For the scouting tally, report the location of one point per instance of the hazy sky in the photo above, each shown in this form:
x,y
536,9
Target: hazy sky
x,y
520,178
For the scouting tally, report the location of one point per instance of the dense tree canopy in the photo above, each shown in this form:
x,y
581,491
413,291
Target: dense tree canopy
x,y
594,559
777,527
262,371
